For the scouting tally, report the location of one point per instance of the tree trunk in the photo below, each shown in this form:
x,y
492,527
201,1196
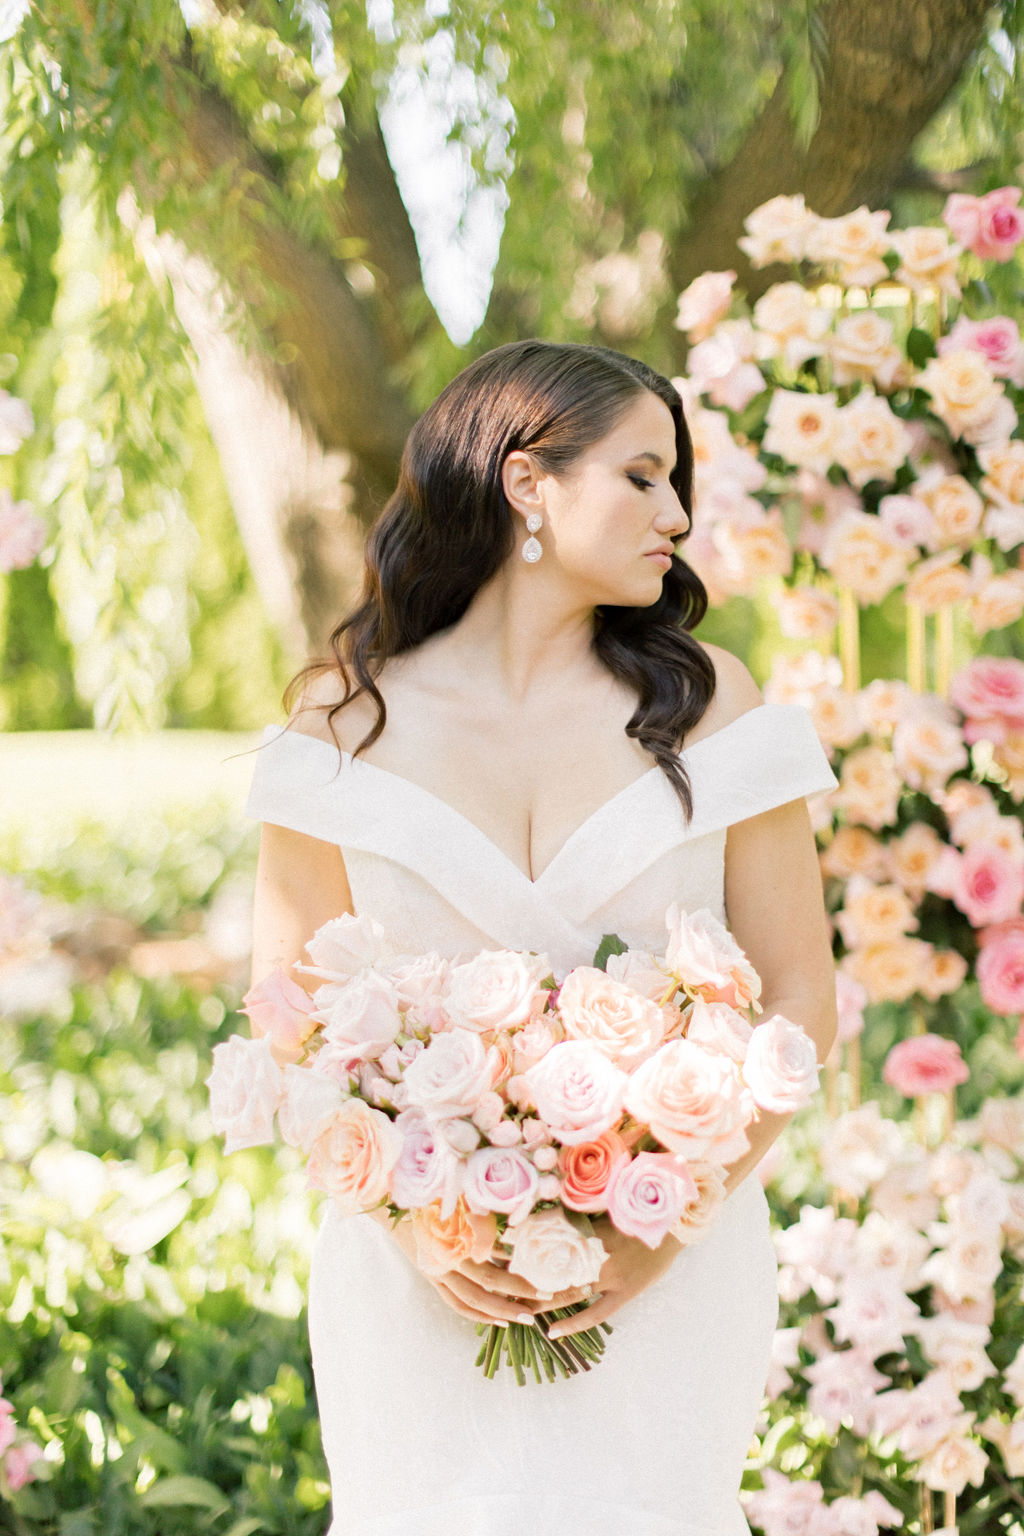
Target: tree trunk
x,y
889,66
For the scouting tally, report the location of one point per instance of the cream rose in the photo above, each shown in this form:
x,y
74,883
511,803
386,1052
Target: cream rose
x,y
955,506
802,428
889,972
928,751
807,613
778,230
555,1253
962,388
874,914
853,246
720,1028
345,946
1003,464
497,989
869,787
928,259
704,303
352,1159
245,1090
872,441
938,581
624,1026
859,556
781,1066
702,954
794,326
309,1102
862,348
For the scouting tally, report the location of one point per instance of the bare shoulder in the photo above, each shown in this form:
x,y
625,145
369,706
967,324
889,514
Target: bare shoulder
x,y
311,715
735,689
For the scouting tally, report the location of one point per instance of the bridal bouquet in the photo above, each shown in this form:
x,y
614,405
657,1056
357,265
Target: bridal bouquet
x,y
499,1110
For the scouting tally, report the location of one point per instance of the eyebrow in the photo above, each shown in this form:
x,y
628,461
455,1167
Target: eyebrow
x,y
654,458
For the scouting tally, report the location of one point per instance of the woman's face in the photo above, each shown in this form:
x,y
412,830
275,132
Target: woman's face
x,y
610,519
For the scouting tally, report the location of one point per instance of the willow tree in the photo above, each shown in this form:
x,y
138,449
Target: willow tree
x,y
626,142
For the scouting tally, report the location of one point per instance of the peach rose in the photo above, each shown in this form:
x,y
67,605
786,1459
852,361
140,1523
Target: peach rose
x,y
928,751
781,1067
245,1090
869,787
586,1169
991,226
777,230
719,1028
884,701
854,851
704,303
1009,756
938,581
802,428
555,1253
874,914
853,246
955,506
912,855
648,1195
807,613
695,1102
872,441
705,958
997,339
445,1242
624,1026
997,602
924,1064
928,259
862,349
859,555
577,1091
534,1041
699,1215
751,551
837,718
1003,464
639,970
451,1075
497,989
962,388
889,972
351,1161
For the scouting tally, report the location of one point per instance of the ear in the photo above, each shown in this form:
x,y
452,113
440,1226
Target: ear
x,y
521,480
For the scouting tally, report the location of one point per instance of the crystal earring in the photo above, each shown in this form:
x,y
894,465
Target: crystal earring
x,y
532,550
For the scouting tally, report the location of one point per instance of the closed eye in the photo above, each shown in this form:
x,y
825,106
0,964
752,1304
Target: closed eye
x,y
641,482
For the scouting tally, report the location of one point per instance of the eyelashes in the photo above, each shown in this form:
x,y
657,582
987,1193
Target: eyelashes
x,y
641,482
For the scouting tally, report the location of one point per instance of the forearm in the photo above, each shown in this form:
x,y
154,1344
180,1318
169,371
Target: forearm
x,y
817,1018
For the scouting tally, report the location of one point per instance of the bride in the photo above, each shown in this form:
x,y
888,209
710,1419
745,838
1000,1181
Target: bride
x,y
517,742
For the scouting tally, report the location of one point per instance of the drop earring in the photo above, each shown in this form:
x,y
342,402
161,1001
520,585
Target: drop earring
x,y
532,550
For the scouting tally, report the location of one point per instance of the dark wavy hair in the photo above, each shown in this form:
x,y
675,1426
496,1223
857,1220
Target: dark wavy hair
x,y
448,528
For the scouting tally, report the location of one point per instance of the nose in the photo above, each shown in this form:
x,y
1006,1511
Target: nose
x,y
672,520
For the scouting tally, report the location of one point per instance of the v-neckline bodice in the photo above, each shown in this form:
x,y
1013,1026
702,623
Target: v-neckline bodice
x,y
486,844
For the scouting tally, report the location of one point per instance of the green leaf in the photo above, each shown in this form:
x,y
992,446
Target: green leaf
x,y
610,944
174,1492
246,1526
920,346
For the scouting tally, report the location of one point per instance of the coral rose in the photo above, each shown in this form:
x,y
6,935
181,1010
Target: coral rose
x,y
925,1064
587,1168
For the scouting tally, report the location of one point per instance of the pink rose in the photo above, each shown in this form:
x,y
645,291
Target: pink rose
x,y
245,1090
704,956
309,1102
420,984
361,1017
648,1194
997,339
577,1090
694,1101
586,1170
497,989
18,1464
346,945
451,1076
7,1425
781,1068
534,1041
624,1026
280,1008
924,1064
989,884
991,226
427,1169
1000,972
990,692
22,533
500,1179
352,1160
555,1253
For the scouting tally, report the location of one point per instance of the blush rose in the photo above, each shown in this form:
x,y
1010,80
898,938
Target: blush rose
x,y
925,1064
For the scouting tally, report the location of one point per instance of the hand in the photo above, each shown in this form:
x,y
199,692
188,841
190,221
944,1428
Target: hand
x,y
485,1293
629,1269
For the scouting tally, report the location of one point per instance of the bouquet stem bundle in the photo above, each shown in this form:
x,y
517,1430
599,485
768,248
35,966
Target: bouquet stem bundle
x,y
529,1347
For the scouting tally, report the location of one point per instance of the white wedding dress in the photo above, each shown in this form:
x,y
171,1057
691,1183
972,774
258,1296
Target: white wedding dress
x,y
652,1441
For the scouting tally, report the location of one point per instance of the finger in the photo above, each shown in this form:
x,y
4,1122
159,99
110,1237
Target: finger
x,y
571,1297
500,1281
460,1307
604,1308
504,1308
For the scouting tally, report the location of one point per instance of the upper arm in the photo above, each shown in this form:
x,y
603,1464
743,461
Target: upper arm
x,y
300,885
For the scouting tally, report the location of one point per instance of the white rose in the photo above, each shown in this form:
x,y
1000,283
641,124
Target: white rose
x,y
311,1100
495,990
245,1091
451,1076
781,1067
556,1253
360,1016
345,946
